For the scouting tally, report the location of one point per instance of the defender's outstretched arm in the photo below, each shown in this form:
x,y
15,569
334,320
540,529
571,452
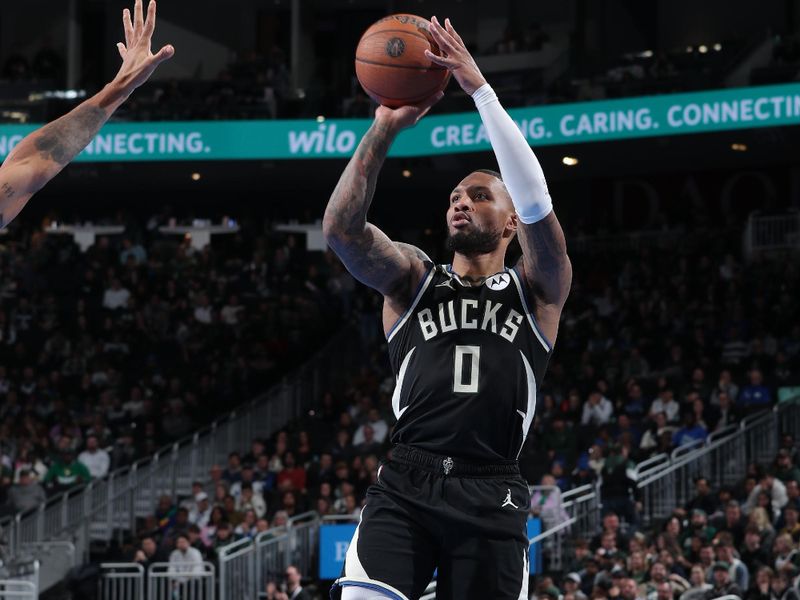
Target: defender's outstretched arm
x,y
366,251
41,155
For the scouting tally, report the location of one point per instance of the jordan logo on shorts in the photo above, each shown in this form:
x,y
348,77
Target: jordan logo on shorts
x,y
507,501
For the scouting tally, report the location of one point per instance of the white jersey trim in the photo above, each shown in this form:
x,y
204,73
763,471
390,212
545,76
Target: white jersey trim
x,y
420,292
398,387
528,312
527,418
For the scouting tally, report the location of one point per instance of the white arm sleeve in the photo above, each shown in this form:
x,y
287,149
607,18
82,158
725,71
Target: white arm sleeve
x,y
521,172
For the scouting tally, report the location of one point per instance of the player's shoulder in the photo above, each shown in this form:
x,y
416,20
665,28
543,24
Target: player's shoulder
x,y
413,252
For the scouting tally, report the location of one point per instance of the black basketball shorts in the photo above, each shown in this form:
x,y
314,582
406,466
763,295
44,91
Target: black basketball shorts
x,y
432,513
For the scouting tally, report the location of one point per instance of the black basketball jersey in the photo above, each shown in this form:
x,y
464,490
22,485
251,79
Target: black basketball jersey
x,y
468,361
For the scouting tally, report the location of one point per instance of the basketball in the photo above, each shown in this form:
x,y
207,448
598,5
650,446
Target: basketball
x,y
391,64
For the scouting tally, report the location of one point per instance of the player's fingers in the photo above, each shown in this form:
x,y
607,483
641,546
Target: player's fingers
x,y
436,34
122,50
442,61
440,33
150,23
127,26
448,25
138,17
165,53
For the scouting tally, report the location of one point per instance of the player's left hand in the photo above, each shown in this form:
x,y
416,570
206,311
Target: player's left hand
x,y
455,56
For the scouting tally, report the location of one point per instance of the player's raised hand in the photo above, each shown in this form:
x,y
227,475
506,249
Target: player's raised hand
x,y
406,116
138,61
455,56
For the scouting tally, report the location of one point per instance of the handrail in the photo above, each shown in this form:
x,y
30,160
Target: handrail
x,y
552,531
684,449
99,502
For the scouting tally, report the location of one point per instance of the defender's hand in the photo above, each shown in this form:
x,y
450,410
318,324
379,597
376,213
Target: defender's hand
x,y
138,62
406,116
455,56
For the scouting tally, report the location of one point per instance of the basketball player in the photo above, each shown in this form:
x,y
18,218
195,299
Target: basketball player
x,y
469,343
41,155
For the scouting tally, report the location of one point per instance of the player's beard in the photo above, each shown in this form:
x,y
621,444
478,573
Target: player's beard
x,y
473,242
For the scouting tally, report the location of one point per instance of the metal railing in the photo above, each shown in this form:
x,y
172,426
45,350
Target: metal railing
x,y
163,581
771,233
121,581
723,459
167,581
12,589
109,506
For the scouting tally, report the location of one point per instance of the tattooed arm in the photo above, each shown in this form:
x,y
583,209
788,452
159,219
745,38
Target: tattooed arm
x,y
547,270
42,154
367,252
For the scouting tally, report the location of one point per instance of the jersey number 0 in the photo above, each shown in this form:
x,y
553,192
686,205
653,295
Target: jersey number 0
x,y
465,380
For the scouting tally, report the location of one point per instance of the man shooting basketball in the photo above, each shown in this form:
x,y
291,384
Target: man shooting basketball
x,y
42,154
469,344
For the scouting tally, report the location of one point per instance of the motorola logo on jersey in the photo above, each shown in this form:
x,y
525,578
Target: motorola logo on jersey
x,y
498,282
467,313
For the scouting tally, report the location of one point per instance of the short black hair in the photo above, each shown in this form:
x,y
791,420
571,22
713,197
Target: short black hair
x,y
489,172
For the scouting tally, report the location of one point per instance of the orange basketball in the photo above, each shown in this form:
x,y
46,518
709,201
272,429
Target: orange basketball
x,y
391,64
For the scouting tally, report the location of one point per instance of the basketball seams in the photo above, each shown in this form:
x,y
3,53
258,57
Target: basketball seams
x,y
366,61
368,35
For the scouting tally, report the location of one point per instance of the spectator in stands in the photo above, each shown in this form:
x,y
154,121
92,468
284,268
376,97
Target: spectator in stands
x,y
733,522
370,445
793,493
618,488
704,498
698,584
726,412
116,296
782,588
293,584
726,555
789,523
690,432
247,528
753,553
756,395
666,403
546,503
201,513
725,386
185,559
165,513
149,553
655,432
761,589
773,488
597,411
293,476
380,429
196,542
66,472
247,476
223,536
571,587
787,557
94,458
785,468
721,582
233,472
249,500
26,494
234,516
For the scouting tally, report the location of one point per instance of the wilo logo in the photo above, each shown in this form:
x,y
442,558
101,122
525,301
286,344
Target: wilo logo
x,y
324,140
